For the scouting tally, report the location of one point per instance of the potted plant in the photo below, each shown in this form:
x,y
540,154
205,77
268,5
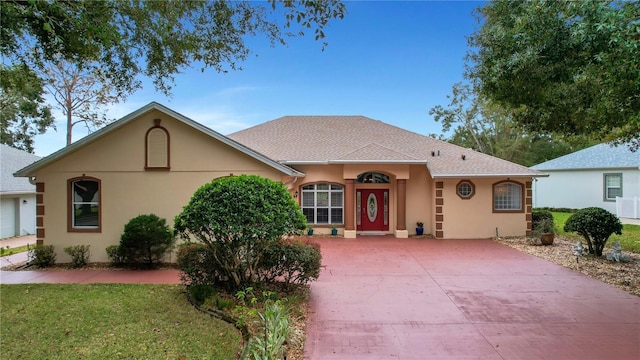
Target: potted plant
x,y
545,230
542,226
309,231
419,228
334,231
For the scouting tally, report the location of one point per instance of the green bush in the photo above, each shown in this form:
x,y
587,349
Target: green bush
x,y
595,225
237,217
79,255
542,221
42,256
146,239
293,262
196,265
115,254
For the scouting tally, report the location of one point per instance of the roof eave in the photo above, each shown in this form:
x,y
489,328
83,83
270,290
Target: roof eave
x,y
30,170
452,176
353,162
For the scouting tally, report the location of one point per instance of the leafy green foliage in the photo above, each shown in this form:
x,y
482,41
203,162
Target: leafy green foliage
x,y
542,221
270,344
42,256
114,252
595,225
145,240
23,113
79,255
197,265
292,261
237,218
569,67
156,39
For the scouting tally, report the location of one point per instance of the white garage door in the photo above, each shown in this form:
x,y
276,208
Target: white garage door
x,y
7,218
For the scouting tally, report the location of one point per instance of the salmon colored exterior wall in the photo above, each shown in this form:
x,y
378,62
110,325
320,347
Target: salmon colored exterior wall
x,y
118,160
419,198
474,218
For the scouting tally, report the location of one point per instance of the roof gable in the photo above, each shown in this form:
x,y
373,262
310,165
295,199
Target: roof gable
x,y
31,169
342,139
12,160
601,156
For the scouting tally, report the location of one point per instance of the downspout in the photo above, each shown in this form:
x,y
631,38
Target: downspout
x,y
295,178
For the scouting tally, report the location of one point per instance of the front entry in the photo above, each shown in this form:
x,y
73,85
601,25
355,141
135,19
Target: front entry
x,y
372,210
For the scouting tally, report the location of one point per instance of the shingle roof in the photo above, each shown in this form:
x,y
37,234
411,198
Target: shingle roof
x,y
12,160
352,139
601,156
30,170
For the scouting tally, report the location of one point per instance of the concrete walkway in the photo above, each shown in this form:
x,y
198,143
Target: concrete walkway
x,y
80,276
386,298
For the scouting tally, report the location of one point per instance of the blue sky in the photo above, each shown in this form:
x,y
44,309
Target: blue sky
x,y
391,61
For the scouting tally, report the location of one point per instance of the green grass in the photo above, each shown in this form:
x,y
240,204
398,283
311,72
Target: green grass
x,y
109,321
629,240
11,251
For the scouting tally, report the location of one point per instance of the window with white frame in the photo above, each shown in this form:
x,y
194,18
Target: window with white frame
x,y
465,189
612,186
84,205
507,197
323,203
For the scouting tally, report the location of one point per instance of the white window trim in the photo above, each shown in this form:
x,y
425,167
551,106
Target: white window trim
x,y
329,206
606,188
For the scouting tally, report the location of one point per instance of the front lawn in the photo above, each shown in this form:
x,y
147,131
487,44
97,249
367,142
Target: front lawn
x,y
109,321
629,240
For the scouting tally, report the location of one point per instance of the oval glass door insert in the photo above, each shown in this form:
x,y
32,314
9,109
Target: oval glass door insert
x,y
372,207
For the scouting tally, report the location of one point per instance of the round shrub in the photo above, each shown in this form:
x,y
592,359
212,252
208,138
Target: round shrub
x,y
237,217
595,225
42,256
145,240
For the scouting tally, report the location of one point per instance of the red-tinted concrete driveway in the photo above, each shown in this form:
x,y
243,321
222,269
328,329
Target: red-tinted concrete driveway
x,y
386,298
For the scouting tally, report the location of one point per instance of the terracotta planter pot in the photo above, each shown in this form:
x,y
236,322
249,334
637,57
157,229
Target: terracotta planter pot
x,y
547,238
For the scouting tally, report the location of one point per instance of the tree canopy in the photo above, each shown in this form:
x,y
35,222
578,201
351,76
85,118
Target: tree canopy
x,y
156,39
23,113
569,67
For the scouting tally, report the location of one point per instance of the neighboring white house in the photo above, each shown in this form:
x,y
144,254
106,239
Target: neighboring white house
x,y
594,176
17,195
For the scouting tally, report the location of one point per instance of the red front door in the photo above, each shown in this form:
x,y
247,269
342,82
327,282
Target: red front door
x,y
373,209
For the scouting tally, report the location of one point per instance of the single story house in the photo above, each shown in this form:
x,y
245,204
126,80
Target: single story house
x,y
353,173
594,176
17,195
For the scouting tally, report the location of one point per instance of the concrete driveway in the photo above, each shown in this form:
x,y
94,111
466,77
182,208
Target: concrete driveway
x,y
386,298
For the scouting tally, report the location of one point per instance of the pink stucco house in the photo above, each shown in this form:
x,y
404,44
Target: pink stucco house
x,y
356,174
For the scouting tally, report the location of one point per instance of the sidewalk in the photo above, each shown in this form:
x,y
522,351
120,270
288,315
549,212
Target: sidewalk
x,y
80,276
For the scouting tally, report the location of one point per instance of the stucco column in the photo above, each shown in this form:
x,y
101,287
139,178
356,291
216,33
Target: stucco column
x,y
349,195
401,208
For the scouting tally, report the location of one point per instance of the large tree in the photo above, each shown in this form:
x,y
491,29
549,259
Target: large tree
x,y
23,113
570,67
128,39
80,95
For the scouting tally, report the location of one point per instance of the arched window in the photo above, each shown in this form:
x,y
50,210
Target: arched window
x,y
323,203
84,205
508,197
372,178
157,147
